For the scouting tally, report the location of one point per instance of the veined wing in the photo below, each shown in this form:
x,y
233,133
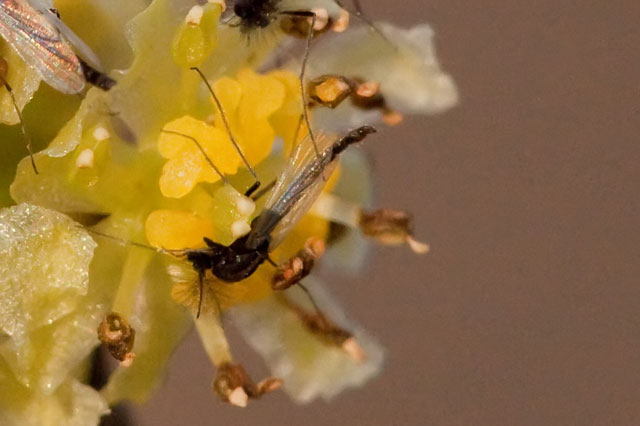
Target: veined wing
x,y
78,44
298,186
41,46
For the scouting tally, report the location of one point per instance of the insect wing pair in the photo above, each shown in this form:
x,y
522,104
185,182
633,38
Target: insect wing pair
x,y
296,189
45,43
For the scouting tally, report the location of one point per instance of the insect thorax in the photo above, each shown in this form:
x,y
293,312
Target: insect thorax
x,y
229,263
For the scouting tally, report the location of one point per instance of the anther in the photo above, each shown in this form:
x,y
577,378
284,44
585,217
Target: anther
x,y
329,90
318,324
233,385
391,227
118,336
299,266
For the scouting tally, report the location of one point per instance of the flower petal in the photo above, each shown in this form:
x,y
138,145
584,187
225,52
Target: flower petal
x,y
309,368
44,312
177,229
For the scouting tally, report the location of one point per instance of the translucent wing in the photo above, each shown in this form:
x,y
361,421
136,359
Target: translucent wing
x,y
80,46
40,45
300,184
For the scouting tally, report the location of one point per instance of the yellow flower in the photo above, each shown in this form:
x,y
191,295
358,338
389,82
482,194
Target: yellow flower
x,y
254,105
110,166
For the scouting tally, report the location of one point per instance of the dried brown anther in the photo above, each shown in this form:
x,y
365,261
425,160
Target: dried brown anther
x,y
330,333
391,227
298,25
331,90
299,266
118,336
233,385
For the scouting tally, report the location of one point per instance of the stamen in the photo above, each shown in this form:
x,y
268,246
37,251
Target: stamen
x,y
233,385
118,336
299,266
342,23
330,333
329,90
391,227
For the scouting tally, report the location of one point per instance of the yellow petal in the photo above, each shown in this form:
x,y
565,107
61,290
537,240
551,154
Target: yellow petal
x,y
188,164
256,139
229,93
180,175
286,121
262,95
177,229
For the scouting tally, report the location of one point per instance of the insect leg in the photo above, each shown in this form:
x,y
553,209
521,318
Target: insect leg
x,y
3,72
359,13
195,141
316,308
256,185
201,290
303,68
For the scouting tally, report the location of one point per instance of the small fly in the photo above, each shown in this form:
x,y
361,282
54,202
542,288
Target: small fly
x,y
44,42
291,197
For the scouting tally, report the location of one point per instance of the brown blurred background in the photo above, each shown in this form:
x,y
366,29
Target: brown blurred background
x,y
527,310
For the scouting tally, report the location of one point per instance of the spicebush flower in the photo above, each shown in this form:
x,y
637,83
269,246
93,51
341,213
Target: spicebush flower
x,y
123,162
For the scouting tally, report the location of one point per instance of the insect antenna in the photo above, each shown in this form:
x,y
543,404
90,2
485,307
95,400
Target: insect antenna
x,y
201,290
256,185
359,13
179,252
303,69
134,243
3,72
195,141
312,300
264,191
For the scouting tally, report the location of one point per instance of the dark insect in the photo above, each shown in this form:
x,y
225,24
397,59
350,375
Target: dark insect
x,y
294,192
255,13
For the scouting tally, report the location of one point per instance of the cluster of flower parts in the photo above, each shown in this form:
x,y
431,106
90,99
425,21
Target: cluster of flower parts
x,y
122,164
